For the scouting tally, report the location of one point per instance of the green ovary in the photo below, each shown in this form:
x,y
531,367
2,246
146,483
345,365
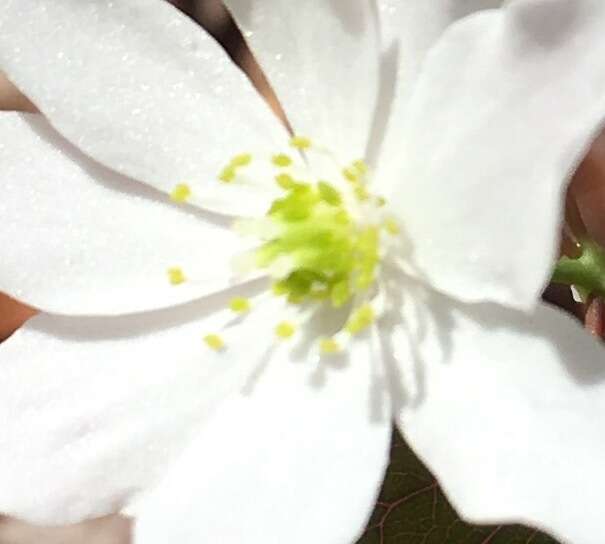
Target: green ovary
x,y
329,257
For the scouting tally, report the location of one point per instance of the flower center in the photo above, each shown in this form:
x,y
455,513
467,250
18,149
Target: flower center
x,y
315,248
321,242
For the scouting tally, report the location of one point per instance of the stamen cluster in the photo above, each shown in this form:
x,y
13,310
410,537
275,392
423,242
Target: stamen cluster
x,y
328,255
320,241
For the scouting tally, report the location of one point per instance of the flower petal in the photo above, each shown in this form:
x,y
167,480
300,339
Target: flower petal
x,y
322,60
407,31
506,106
292,461
412,27
77,238
140,88
93,409
508,414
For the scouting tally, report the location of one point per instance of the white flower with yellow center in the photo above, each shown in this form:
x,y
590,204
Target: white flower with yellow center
x,y
224,344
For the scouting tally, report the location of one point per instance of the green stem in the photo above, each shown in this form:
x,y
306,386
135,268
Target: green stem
x,y
586,272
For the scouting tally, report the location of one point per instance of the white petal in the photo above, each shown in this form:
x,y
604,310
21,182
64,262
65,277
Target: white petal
x,y
322,60
508,414
506,105
293,460
139,87
92,410
407,31
77,238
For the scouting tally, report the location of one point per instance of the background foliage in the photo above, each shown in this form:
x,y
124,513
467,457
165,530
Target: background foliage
x,y
412,509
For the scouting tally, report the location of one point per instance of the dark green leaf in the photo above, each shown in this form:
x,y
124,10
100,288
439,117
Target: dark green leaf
x,y
413,510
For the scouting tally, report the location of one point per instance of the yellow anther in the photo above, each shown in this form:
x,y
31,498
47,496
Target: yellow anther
x,y
285,330
241,160
391,226
282,160
180,193
278,288
300,142
227,174
329,346
340,294
214,342
365,280
350,174
361,167
356,171
176,276
361,192
285,181
355,174
329,194
239,305
361,319
381,201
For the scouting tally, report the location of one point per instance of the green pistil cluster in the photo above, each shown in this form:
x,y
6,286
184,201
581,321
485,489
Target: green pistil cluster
x,y
329,256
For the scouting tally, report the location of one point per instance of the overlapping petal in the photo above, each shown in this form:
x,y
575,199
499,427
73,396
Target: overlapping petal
x,y
507,413
297,459
78,238
412,27
92,410
506,106
145,92
407,32
322,60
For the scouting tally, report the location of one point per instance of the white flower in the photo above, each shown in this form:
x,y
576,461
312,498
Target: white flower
x,y
110,399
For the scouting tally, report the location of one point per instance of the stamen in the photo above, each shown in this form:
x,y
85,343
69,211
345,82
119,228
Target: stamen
x,y
355,171
329,194
350,174
214,342
361,319
361,167
300,142
329,346
243,159
321,242
285,181
229,173
239,305
361,192
340,294
316,251
391,226
285,330
176,276
180,193
281,160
